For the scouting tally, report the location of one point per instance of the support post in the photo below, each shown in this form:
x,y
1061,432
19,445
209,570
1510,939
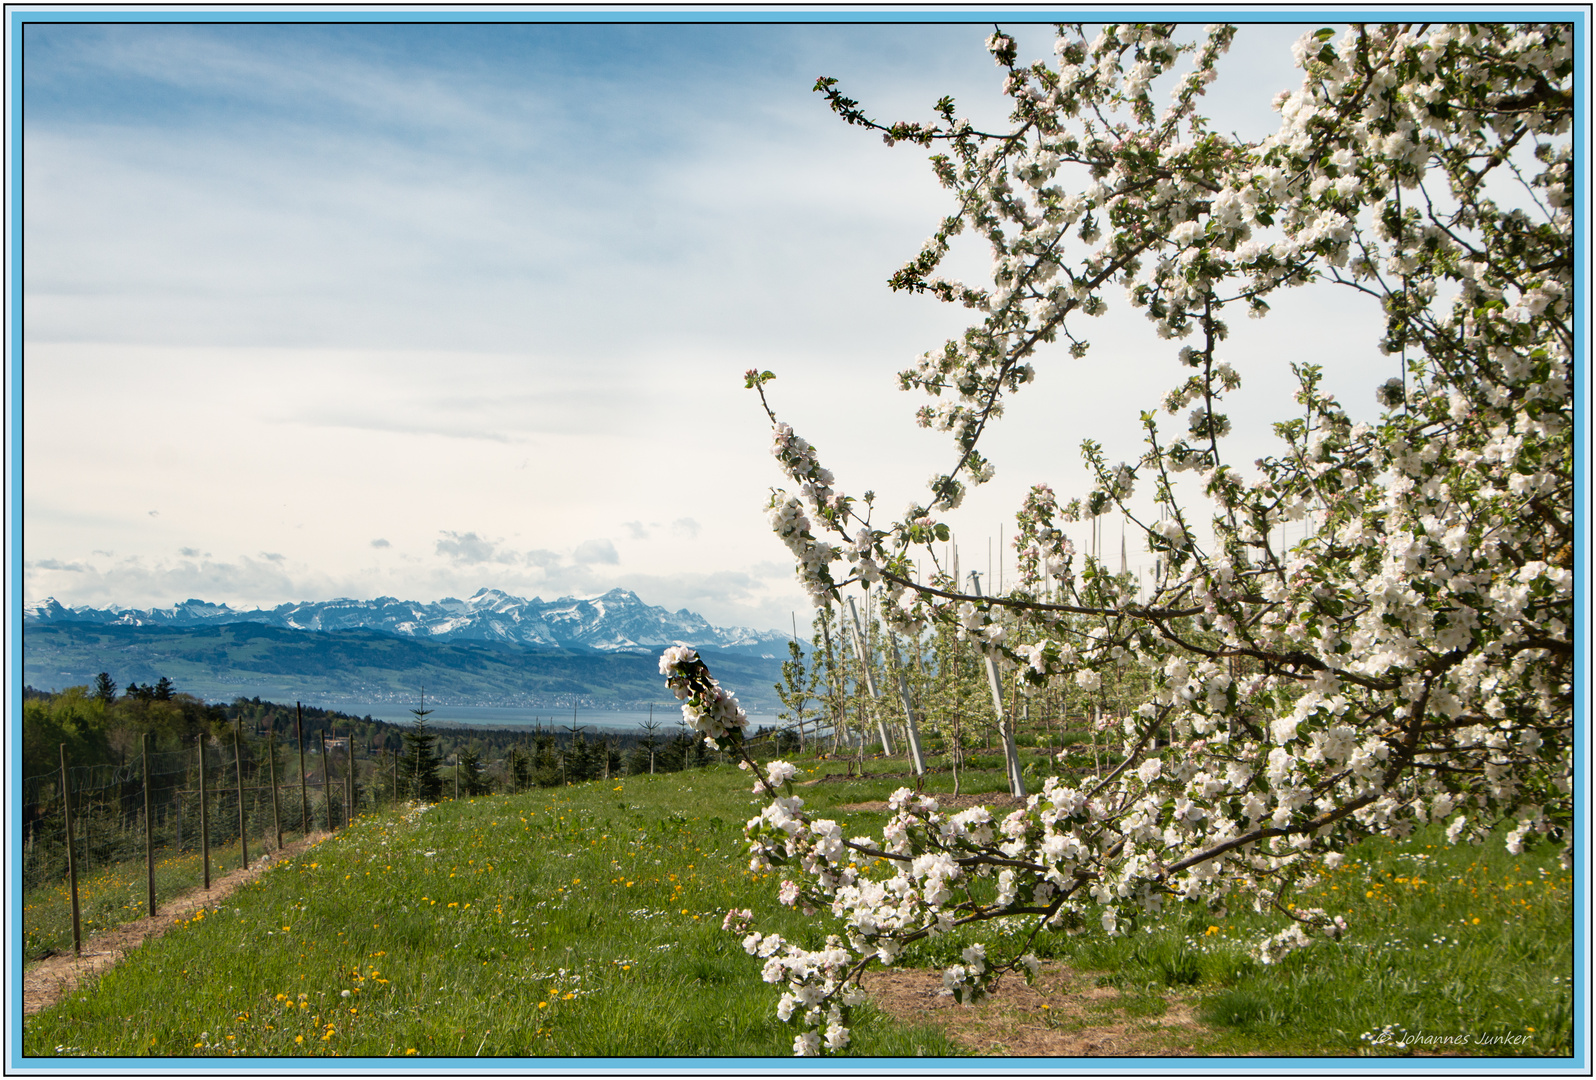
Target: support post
x,y
838,717
304,797
72,859
205,819
243,821
271,766
1011,757
869,678
149,827
908,711
326,788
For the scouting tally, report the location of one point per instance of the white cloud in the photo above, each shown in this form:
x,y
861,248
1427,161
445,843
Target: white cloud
x,y
57,564
597,551
418,285
470,549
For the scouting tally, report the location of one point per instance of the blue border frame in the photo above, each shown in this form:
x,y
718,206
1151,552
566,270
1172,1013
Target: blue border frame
x,y
17,15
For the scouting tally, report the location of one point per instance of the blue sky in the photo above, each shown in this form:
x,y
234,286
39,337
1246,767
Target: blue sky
x,y
410,310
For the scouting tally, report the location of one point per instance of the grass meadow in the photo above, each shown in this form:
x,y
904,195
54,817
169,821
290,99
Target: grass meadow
x,y
586,921
115,893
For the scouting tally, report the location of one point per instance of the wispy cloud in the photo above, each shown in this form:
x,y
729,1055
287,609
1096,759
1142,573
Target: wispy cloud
x,y
469,549
597,551
510,273
136,582
57,564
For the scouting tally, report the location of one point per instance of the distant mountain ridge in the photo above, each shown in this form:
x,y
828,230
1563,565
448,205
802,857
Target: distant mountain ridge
x,y
617,621
356,668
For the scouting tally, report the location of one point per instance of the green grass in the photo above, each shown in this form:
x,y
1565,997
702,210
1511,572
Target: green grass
x,y
586,921
115,893
1467,942
575,921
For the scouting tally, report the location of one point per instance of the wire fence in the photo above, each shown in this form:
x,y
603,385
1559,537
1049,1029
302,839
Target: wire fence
x,y
226,801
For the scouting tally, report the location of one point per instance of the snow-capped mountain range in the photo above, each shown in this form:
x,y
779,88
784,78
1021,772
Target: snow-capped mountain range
x,y
616,621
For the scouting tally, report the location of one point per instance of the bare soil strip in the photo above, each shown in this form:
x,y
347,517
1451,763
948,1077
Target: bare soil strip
x,y
50,980
1064,1015
994,800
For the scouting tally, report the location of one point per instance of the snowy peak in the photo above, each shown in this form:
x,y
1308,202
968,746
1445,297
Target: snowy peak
x,y
617,620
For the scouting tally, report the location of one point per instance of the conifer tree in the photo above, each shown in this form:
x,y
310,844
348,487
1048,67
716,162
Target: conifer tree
x,y
105,688
418,768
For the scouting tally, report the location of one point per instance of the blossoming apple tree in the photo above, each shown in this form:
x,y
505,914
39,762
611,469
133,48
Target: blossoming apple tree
x,y
1409,661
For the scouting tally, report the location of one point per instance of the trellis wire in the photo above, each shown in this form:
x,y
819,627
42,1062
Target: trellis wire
x,y
149,809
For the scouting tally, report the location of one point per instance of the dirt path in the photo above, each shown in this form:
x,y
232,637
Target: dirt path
x,y
47,982
1066,1014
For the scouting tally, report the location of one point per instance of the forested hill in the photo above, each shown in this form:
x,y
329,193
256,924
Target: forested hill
x,y
243,659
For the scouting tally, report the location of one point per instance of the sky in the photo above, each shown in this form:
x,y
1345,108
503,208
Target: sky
x,y
318,311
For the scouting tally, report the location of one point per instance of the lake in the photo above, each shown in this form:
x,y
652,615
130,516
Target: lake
x,y
667,716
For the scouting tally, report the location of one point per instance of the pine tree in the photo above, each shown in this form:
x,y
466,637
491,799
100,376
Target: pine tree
x,y
546,758
473,772
418,768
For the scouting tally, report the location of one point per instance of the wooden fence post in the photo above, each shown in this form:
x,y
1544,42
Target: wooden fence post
x,y
205,821
149,827
271,765
304,799
72,862
243,822
181,792
326,789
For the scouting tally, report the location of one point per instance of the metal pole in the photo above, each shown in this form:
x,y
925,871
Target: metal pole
x,y
869,679
1005,729
72,862
238,776
908,710
149,827
838,720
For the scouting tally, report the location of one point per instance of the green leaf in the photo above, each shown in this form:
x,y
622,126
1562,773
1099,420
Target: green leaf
x,y
1324,34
